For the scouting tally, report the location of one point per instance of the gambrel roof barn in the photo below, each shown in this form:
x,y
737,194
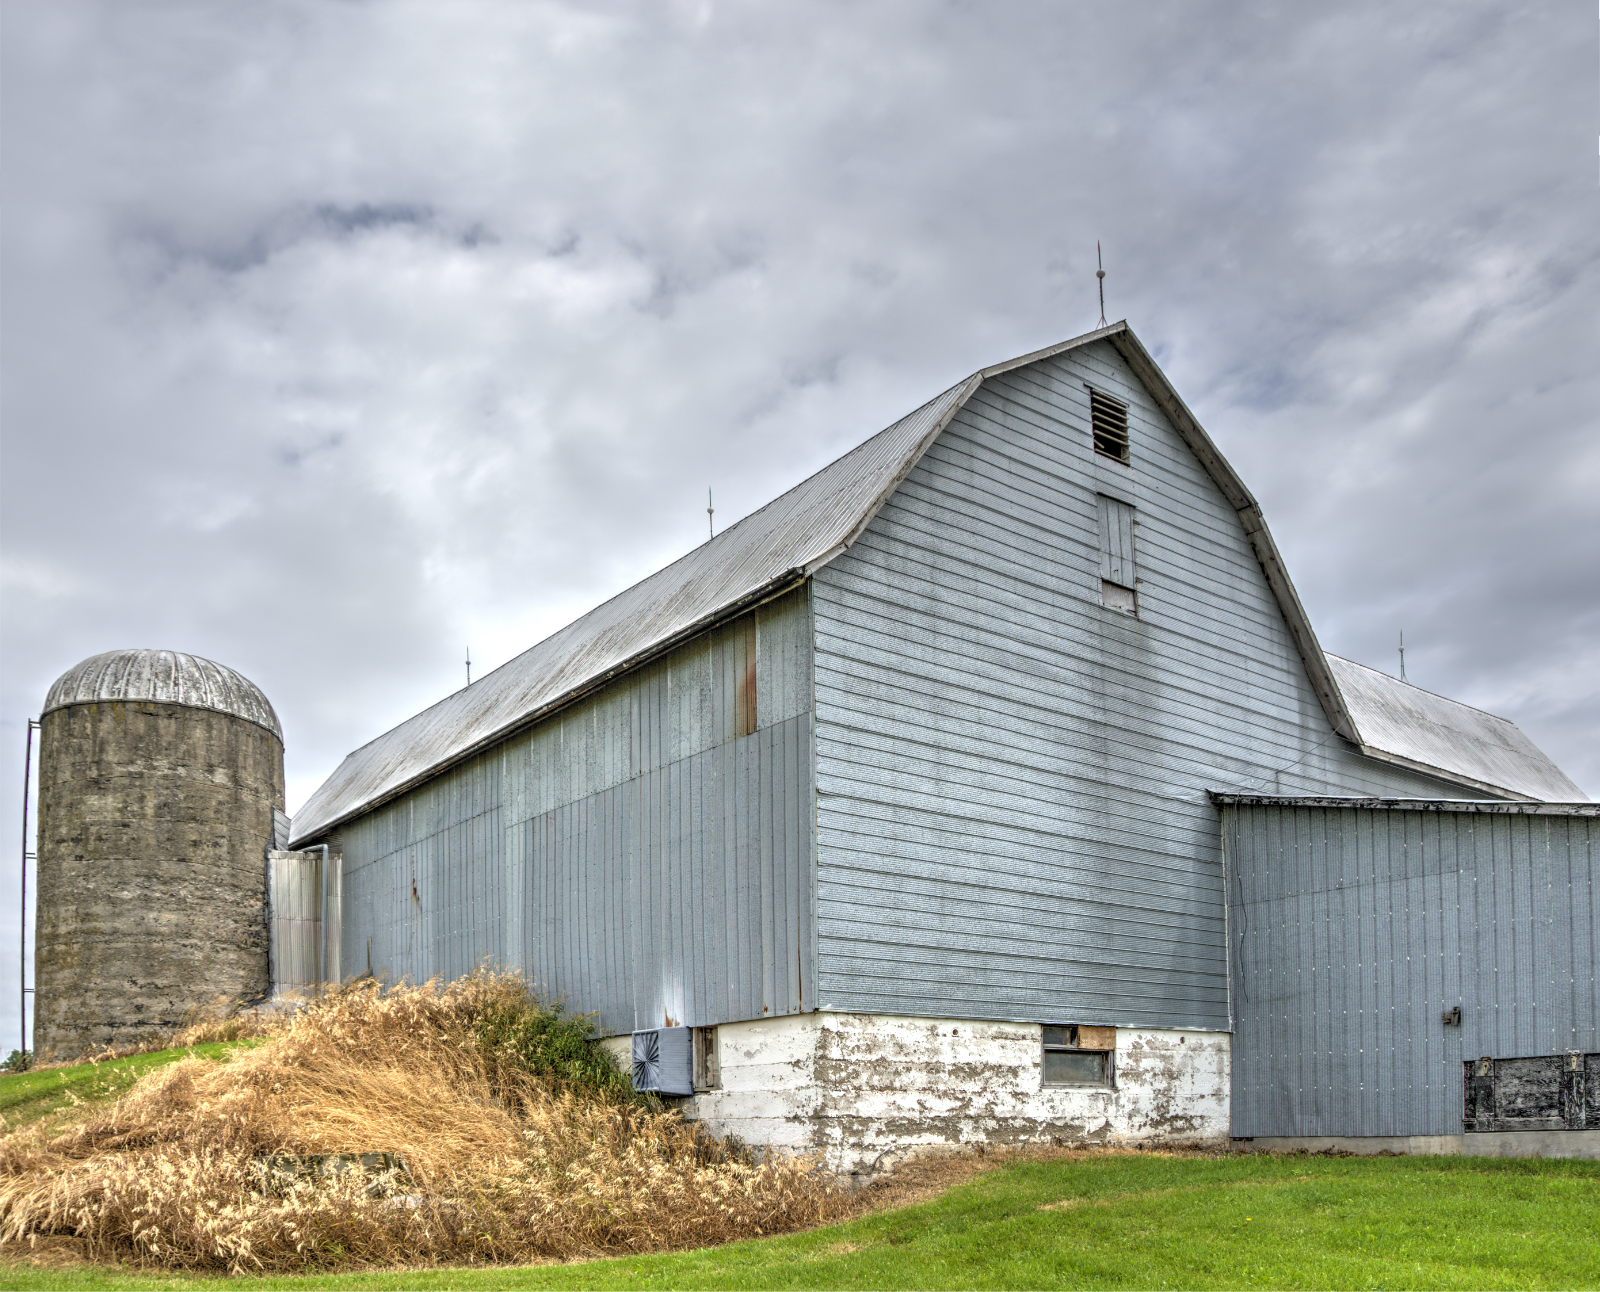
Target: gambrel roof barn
x,y
901,784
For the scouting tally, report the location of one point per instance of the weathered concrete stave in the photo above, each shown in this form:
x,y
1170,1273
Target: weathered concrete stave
x,y
154,818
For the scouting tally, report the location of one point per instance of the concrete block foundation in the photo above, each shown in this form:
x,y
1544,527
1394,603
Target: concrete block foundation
x,y
867,1090
1554,1143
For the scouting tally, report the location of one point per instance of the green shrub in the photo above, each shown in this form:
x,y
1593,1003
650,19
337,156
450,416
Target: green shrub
x,y
18,1061
515,1026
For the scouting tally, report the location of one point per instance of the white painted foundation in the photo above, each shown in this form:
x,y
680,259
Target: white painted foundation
x,y
865,1090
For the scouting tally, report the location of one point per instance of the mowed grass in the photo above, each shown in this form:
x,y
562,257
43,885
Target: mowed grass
x,y
27,1098
1114,1221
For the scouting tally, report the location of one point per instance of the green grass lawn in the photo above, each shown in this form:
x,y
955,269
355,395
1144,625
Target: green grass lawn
x,y
1117,1222
29,1097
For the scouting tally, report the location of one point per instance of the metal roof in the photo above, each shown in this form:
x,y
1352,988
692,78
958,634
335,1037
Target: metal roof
x,y
163,677
1403,724
766,552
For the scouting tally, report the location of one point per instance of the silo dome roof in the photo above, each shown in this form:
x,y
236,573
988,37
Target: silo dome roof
x,y
166,677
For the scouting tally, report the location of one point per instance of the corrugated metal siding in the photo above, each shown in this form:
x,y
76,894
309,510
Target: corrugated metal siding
x,y
1353,930
1012,820
634,854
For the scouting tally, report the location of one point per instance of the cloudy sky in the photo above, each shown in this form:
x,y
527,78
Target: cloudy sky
x,y
341,336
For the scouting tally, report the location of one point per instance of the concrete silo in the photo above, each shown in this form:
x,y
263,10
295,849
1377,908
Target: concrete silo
x,y
159,773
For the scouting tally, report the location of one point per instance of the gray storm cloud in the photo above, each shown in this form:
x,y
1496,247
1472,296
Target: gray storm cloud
x,y
338,337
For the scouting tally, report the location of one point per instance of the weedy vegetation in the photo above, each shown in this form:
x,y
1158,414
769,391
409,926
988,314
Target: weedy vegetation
x,y
521,1139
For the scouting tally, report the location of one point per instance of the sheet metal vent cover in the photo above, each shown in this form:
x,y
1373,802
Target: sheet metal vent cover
x,y
663,1060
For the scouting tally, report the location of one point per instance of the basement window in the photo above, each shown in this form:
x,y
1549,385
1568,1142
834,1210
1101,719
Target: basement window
x,y
707,1061
1077,1055
1109,419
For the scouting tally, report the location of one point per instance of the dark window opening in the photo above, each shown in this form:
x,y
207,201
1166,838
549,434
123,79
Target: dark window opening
x,y
707,1062
1079,1056
1109,418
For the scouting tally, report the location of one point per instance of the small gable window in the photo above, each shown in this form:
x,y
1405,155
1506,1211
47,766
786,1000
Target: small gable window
x,y
1118,579
1109,418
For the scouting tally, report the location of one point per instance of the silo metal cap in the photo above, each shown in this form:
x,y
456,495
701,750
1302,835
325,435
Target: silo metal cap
x,y
165,677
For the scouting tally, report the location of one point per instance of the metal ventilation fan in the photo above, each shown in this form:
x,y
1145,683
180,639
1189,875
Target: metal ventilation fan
x,y
663,1060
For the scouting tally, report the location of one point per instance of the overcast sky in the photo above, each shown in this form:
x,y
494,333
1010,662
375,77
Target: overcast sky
x,y
341,336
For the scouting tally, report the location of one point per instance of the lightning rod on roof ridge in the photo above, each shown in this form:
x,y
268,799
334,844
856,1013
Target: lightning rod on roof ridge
x,y
1403,656
710,514
469,666
1100,273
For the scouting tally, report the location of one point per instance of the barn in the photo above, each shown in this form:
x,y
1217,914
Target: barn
x,y
922,805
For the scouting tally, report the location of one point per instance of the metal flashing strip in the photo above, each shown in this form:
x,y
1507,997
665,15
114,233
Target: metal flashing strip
x,y
1486,806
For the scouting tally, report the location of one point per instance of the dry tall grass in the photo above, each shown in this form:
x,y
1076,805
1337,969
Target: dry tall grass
x,y
507,1164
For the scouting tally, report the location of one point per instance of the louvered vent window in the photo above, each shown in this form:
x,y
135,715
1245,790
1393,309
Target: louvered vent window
x,y
1110,420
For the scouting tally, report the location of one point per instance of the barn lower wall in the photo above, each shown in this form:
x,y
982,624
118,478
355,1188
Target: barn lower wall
x,y
867,1090
1355,931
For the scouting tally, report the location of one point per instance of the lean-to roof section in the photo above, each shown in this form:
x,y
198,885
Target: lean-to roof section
x,y
765,553
1414,728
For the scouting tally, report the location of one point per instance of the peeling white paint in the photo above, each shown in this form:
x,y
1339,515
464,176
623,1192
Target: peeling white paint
x,y
865,1090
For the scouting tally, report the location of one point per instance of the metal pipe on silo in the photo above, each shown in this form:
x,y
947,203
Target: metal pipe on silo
x,y
22,940
322,922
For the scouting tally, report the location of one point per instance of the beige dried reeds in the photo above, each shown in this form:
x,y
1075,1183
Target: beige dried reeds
x,y
508,1162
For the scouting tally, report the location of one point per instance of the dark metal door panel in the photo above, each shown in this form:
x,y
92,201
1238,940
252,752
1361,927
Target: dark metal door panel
x,y
1535,1092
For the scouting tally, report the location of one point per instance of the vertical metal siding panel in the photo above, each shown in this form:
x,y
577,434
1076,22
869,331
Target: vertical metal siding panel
x,y
1510,903
1447,1108
621,891
1264,949
694,962
1429,914
1572,933
1558,934
1539,1008
1387,842
1519,973
810,877
1583,845
788,825
619,1015
758,782
1310,1006
746,879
